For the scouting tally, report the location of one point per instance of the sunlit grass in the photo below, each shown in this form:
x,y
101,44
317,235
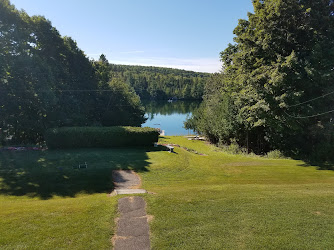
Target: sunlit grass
x,y
217,201
223,201
84,222
46,202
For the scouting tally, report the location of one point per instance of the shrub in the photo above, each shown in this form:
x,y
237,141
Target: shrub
x,y
100,137
275,154
232,148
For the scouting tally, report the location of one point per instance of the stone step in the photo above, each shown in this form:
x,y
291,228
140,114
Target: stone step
x,y
130,191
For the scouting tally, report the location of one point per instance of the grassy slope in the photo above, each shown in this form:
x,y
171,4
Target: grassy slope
x,y
218,201
46,204
81,223
225,201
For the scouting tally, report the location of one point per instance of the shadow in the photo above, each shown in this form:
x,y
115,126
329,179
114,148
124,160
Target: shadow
x,y
49,173
319,165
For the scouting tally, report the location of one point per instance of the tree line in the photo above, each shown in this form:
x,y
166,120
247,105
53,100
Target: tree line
x,y
276,90
161,83
47,81
169,108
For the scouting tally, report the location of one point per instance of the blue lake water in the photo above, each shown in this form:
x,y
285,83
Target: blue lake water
x,y
169,116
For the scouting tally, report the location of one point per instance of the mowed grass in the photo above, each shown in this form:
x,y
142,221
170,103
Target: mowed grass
x,y
217,201
85,222
47,203
223,201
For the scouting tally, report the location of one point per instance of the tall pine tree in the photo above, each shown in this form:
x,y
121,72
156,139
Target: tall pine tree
x,y
283,57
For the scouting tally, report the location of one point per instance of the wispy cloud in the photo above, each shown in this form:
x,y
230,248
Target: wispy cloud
x,y
133,52
94,55
210,65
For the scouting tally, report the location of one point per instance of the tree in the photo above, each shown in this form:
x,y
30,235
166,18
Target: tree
x,y
47,81
161,83
123,107
283,56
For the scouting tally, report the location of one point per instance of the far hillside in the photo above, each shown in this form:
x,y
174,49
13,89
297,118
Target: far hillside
x,y
156,82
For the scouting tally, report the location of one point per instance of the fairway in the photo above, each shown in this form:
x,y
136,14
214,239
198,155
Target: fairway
x,y
210,201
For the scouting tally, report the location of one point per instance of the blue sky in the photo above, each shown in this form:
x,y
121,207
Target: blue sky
x,y
185,34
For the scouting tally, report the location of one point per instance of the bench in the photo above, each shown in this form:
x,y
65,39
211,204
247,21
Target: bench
x,y
83,165
171,149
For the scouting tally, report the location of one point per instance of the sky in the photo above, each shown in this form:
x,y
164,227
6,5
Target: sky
x,y
183,34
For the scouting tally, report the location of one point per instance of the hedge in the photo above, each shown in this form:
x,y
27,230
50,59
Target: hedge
x,y
100,137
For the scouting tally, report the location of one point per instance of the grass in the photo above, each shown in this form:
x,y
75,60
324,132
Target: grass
x,y
85,222
224,201
47,203
217,201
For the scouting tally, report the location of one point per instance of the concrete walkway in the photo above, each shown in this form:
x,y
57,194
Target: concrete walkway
x,y
132,225
133,232
126,182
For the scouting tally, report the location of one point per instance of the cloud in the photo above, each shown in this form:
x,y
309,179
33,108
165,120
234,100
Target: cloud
x,y
210,65
94,55
133,52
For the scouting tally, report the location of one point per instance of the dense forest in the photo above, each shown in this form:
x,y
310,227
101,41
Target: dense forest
x,y
47,81
155,82
276,88
160,83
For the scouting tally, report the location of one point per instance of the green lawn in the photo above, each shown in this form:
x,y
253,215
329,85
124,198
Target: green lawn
x,y
47,203
218,201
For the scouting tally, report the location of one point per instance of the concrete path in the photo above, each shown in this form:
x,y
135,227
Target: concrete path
x,y
132,225
127,182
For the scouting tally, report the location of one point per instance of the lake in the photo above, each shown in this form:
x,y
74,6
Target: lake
x,y
169,116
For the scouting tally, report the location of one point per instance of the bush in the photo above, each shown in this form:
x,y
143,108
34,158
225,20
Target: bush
x,y
100,137
275,154
233,148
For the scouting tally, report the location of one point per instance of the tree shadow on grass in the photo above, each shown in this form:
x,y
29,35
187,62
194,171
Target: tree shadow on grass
x,y
57,173
320,165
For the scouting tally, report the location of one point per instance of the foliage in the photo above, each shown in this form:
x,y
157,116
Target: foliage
x,y
156,82
117,104
282,59
275,154
232,148
100,137
47,81
221,114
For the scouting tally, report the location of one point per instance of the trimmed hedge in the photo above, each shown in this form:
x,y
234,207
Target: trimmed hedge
x,y
100,137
